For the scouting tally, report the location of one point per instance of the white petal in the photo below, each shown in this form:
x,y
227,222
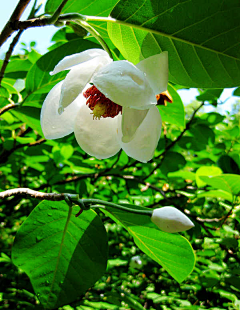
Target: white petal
x,y
96,137
53,125
75,59
131,120
78,77
171,220
156,69
146,138
124,84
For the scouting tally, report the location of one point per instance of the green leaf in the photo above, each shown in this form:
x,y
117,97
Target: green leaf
x,y
228,165
208,171
38,78
200,38
173,113
85,7
30,116
216,194
172,161
210,95
172,251
226,182
212,118
236,92
63,255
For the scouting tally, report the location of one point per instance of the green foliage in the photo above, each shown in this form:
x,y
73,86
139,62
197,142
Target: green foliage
x,y
51,259
56,249
198,57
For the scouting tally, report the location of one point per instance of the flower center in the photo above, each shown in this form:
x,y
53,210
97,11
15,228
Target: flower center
x,y
100,105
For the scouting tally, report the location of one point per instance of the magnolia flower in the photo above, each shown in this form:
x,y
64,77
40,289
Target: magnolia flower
x,y
108,104
171,220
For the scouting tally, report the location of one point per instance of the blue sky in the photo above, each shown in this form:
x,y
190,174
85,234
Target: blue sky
x,y
42,36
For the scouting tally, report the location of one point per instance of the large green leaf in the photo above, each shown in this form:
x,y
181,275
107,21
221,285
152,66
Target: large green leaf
x,y
226,182
38,78
201,37
172,251
173,113
85,7
63,255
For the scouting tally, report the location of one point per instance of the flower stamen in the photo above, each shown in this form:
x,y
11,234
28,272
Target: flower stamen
x,y
100,105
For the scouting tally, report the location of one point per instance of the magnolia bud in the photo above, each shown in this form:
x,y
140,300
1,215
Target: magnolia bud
x,y
171,220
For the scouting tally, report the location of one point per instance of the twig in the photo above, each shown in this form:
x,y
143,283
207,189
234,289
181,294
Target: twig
x,y
31,193
8,55
174,142
5,154
8,107
17,13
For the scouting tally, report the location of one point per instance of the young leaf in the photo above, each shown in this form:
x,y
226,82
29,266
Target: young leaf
x,y
62,255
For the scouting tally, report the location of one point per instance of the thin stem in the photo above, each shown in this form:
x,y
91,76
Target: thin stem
x,y
8,54
56,14
115,206
96,35
17,13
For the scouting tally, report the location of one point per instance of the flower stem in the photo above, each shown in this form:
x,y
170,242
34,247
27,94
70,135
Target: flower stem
x,y
95,34
100,203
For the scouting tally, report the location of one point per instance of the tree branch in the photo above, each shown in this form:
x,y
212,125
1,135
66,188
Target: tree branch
x,y
6,153
174,142
8,107
8,55
17,13
31,193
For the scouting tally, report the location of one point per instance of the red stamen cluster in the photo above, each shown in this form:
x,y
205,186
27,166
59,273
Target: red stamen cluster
x,y
95,96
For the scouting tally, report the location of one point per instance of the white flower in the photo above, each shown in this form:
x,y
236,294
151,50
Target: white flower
x,y
171,220
118,86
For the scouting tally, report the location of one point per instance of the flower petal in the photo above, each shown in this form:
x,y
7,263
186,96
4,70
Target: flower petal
x,y
156,69
146,138
131,120
53,125
77,79
96,137
124,84
69,61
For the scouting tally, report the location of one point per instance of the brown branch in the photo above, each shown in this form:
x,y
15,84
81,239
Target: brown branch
x,y
31,193
174,142
6,153
17,13
8,55
8,107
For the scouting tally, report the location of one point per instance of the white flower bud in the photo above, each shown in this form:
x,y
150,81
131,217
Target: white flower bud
x,y
171,220
136,262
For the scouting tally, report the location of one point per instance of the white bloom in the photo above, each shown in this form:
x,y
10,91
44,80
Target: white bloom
x,y
119,86
171,220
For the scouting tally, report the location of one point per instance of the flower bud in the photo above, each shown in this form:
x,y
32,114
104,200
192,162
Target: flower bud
x,y
171,220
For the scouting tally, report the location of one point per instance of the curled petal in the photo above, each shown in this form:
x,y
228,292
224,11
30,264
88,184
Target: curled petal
x,y
78,77
156,69
145,141
53,125
131,120
171,220
123,83
96,137
69,61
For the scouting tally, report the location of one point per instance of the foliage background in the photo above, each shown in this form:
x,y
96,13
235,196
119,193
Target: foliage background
x,y
193,145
